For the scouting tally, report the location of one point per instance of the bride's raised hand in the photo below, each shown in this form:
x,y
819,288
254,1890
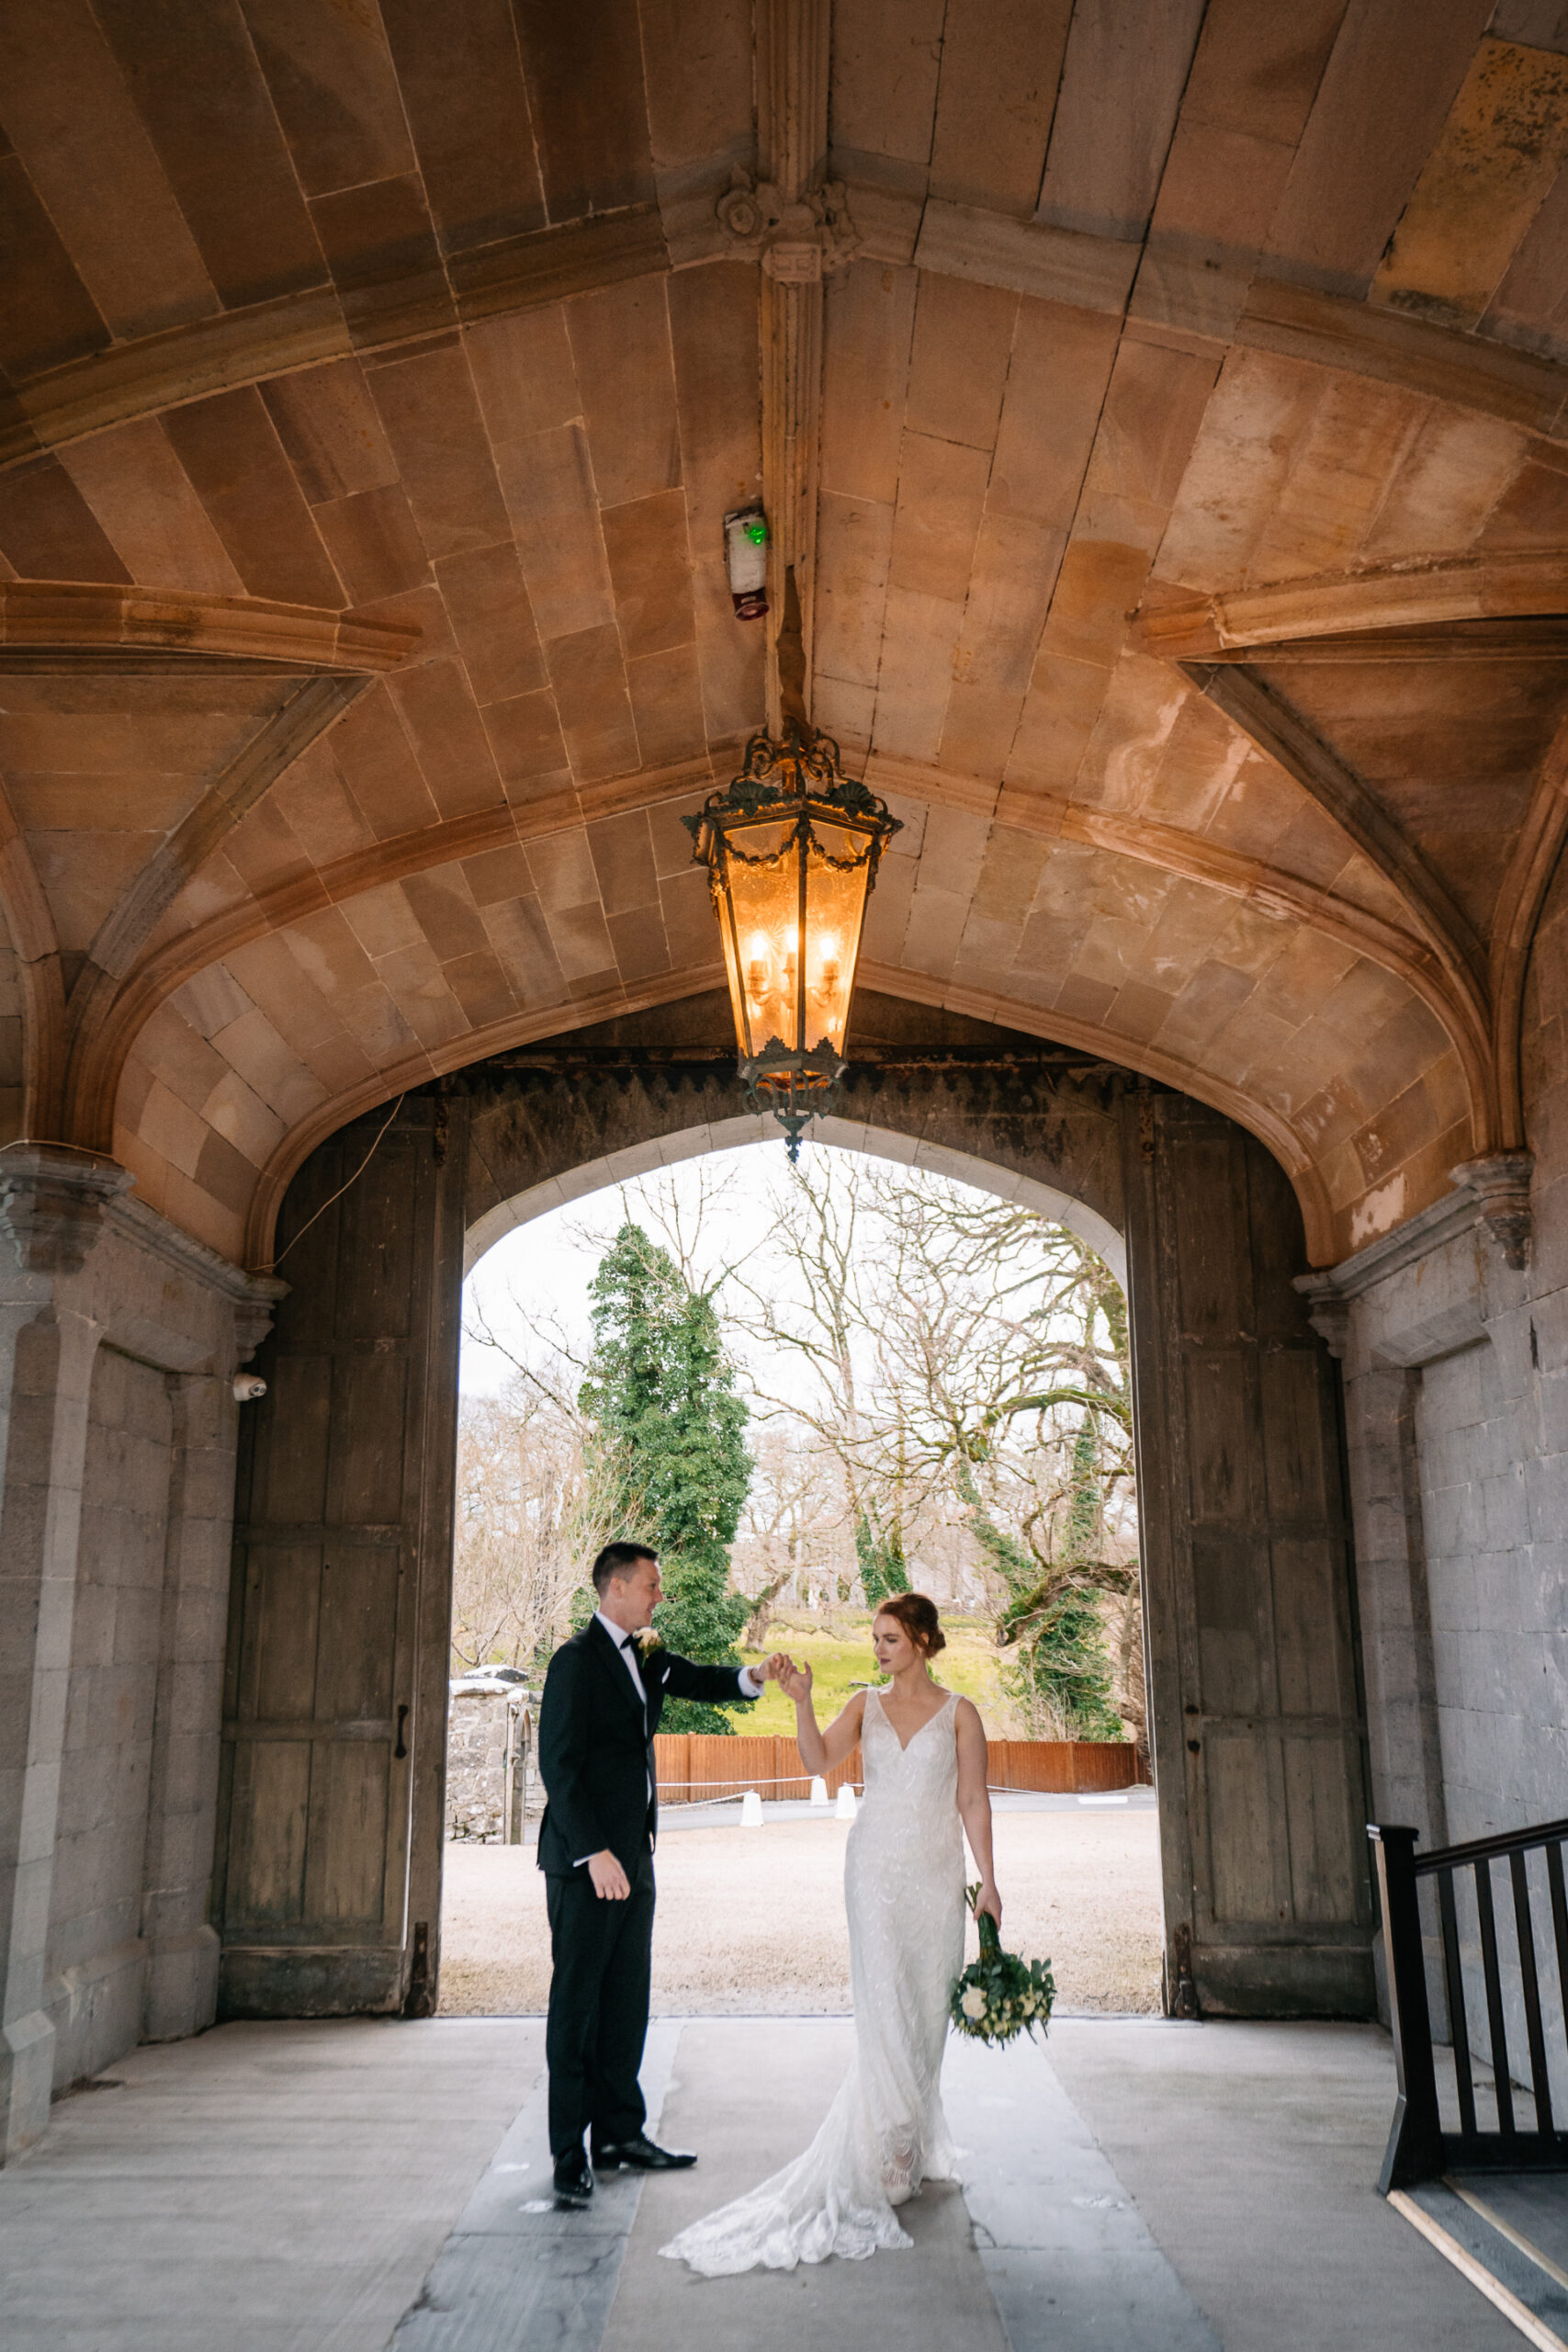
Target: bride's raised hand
x,y
794,1681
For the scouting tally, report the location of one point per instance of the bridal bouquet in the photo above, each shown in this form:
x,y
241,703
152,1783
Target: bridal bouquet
x,y
998,1995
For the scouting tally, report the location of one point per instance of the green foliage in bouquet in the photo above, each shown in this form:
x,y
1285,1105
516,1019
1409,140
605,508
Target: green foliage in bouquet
x,y
999,1996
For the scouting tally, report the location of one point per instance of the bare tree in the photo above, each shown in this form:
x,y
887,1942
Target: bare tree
x,y
532,1510
792,1543
840,1253
966,1350
525,1520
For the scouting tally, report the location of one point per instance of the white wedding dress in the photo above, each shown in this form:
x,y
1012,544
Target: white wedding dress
x,y
884,2132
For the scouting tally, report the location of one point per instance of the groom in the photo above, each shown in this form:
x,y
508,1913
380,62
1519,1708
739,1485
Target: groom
x,y
601,1709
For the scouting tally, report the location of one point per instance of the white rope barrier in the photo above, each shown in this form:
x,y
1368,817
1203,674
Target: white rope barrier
x,y
738,1788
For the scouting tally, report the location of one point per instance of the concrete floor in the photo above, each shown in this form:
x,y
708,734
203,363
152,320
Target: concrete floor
x,y
338,2187
262,2188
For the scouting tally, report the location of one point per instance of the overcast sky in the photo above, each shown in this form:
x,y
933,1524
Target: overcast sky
x,y
548,1265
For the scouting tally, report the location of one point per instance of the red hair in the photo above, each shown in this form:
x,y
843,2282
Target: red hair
x,y
918,1619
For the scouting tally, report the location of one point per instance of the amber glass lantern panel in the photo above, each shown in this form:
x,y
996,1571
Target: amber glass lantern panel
x,y
762,942
835,910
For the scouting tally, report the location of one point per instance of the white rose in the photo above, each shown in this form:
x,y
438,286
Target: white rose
x,y
974,2004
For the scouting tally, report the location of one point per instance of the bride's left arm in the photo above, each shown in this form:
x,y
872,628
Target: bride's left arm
x,y
975,1804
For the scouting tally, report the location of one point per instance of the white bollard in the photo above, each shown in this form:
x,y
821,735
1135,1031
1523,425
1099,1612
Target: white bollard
x,y
819,1790
846,1805
751,1810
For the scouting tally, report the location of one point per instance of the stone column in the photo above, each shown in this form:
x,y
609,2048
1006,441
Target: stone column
x,y
180,1991
83,1266
52,1204
1397,1660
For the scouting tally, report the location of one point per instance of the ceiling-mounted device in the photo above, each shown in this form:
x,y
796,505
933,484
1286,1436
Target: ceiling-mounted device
x,y
745,555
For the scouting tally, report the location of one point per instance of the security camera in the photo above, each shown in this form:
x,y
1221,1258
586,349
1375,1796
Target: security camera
x,y
248,1388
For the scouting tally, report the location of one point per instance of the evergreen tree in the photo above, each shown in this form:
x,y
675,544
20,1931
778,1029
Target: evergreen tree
x,y
669,1430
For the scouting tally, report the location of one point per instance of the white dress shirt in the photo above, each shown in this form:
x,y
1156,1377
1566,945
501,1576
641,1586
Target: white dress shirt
x,y
751,1684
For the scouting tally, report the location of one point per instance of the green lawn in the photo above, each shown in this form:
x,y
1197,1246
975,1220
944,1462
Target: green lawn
x,y
841,1658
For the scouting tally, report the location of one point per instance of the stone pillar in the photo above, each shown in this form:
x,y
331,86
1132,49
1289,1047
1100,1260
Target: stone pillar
x,y
51,1203
1397,1663
84,1268
181,1984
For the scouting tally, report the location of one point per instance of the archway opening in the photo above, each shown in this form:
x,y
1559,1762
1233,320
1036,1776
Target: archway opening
x,y
339,1661
931,1357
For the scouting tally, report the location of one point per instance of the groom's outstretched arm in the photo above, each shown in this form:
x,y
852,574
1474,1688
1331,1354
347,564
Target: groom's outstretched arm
x,y
563,1752
718,1686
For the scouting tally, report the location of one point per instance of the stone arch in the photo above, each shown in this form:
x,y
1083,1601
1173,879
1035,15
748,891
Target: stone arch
x,y
1255,1718
1090,1225
962,1097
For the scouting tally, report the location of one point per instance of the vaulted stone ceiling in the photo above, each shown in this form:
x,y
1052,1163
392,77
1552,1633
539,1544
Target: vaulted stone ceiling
x,y
1165,411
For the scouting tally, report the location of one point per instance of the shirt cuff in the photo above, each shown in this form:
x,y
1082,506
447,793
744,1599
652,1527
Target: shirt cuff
x,y
751,1683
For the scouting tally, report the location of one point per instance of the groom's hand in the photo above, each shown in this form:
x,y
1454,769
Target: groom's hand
x,y
610,1881
774,1668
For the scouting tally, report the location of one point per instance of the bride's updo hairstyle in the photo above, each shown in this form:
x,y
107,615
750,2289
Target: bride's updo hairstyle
x,y
918,1617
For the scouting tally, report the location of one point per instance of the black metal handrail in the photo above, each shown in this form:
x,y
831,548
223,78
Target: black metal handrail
x,y
1419,2148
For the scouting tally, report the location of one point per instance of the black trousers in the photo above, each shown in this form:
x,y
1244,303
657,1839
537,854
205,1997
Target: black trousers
x,y
602,1956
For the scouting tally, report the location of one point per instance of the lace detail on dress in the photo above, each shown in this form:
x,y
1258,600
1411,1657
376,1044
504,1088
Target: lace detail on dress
x,y
884,2132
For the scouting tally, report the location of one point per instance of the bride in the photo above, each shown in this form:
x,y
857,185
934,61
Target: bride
x,y
924,1756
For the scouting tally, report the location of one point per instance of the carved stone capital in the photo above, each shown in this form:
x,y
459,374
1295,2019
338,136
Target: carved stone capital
x,y
1500,1187
797,242
253,1313
1327,1312
52,1204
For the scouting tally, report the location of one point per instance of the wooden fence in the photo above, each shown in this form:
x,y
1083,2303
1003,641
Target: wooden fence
x,y
697,1765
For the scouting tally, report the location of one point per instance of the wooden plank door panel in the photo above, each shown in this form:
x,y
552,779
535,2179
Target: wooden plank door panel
x,y
337,1657
1248,1581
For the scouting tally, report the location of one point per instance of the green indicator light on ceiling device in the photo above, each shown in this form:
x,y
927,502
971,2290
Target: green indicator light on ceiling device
x,y
757,533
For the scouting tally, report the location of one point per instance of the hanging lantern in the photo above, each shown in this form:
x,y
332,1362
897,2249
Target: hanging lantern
x,y
791,848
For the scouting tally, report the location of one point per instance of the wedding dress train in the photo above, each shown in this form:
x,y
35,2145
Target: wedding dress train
x,y
884,2132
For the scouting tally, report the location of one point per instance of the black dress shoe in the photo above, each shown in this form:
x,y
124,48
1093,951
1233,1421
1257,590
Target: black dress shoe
x,y
640,2155
574,2180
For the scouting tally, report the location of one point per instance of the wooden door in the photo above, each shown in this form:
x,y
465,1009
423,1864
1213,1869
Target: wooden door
x,y
328,1885
1256,1717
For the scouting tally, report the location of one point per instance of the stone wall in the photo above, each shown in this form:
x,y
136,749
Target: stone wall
x,y
987,1105
1454,1341
1456,1367
480,1730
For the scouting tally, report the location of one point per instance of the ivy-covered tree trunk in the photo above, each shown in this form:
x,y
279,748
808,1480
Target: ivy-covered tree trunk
x,y
880,1553
669,1428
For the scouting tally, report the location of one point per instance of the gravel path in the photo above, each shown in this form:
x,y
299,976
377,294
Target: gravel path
x,y
751,1921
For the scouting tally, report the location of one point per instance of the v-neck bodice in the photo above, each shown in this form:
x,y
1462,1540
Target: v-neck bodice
x,y
922,1770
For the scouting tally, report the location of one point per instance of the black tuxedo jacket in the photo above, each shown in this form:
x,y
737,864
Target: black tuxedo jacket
x,y
596,1745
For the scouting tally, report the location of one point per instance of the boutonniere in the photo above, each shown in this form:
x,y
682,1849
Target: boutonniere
x,y
648,1641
